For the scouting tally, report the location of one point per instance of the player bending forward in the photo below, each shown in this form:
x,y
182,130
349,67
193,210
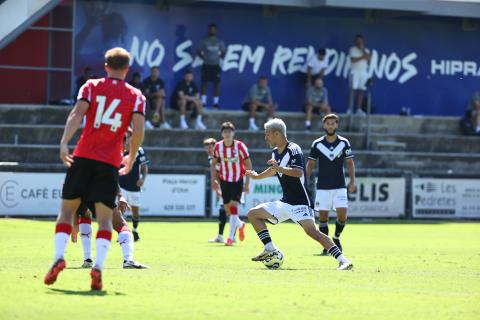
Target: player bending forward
x,y
288,164
110,105
234,159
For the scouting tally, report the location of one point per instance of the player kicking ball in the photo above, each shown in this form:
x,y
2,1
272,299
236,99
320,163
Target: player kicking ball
x,y
110,106
233,157
288,164
331,151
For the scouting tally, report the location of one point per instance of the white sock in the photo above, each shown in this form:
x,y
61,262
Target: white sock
x,y
125,239
61,240
239,222
341,258
101,246
269,246
204,99
307,123
216,100
86,237
233,226
182,118
199,118
252,121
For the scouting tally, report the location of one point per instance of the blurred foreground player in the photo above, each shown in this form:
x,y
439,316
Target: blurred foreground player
x,y
131,183
110,105
208,145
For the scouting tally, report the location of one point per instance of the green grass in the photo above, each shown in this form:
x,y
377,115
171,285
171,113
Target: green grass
x,y
402,271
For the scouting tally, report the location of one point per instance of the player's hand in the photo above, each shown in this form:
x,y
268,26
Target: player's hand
x,y
140,183
251,173
273,163
128,164
65,156
215,186
123,205
351,187
246,188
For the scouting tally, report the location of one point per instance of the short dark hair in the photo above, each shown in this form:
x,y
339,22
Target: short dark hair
x,y
154,67
188,71
263,77
136,74
330,116
227,125
322,51
358,35
117,58
212,25
209,141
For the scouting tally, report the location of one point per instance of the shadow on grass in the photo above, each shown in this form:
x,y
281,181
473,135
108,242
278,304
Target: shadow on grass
x,y
83,292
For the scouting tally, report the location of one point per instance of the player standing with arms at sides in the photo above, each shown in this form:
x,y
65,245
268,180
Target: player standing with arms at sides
x,y
110,105
131,183
287,163
208,145
234,160
331,151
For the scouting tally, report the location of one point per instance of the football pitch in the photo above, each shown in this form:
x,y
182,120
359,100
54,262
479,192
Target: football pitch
x,y
401,271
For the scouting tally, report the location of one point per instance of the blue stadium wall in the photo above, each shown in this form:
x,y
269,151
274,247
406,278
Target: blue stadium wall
x,y
429,64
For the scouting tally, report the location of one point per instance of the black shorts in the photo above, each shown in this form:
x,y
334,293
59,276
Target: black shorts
x,y
174,104
231,191
210,73
92,181
246,107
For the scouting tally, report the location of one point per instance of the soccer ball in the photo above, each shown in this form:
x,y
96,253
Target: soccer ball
x,y
275,261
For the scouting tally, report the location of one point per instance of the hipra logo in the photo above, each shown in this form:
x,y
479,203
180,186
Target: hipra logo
x,y
7,193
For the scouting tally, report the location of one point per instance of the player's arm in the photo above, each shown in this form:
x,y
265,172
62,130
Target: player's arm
x,y
269,172
214,174
73,123
248,166
138,133
289,171
351,174
310,166
143,174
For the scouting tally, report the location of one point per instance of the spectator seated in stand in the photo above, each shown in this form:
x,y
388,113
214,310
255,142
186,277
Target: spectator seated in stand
x,y
154,90
259,98
316,101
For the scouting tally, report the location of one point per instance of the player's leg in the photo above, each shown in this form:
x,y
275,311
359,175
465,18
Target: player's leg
x,y
309,226
85,228
102,242
222,220
234,195
340,203
258,217
125,240
135,222
323,203
63,229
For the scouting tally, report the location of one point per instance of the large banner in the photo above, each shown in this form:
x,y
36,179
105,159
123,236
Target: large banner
x,y
420,72
375,197
445,198
39,194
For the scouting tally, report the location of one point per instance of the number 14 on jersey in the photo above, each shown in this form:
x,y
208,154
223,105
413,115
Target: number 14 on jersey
x,y
105,116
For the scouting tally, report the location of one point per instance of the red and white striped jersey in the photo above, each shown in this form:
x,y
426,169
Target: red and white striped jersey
x,y
231,160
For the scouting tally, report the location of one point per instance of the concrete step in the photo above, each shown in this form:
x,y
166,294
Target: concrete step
x,y
40,114
50,134
196,157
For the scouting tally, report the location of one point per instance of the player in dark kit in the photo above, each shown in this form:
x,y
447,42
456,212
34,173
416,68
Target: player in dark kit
x,y
131,183
288,164
208,145
110,106
331,151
